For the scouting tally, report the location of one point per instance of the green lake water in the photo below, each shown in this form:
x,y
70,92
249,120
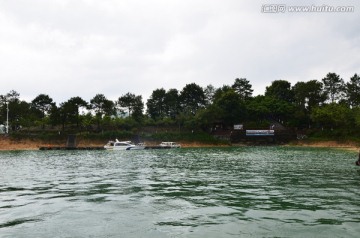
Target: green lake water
x,y
188,192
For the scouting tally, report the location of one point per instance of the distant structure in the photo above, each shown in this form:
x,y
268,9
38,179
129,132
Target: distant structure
x,y
274,133
71,141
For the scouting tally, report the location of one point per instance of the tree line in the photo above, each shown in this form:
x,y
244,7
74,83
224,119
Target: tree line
x,y
326,104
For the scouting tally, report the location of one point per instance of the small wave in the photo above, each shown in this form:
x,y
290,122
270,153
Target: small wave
x,y
19,222
11,189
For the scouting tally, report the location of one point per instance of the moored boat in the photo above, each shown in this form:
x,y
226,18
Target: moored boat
x,y
123,145
170,144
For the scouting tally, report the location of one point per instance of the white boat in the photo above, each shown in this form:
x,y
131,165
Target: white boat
x,y
170,144
123,145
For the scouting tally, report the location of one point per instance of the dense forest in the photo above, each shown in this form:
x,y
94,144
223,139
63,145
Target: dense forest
x,y
329,106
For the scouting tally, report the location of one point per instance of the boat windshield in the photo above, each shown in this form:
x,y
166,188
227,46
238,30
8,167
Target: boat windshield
x,y
121,144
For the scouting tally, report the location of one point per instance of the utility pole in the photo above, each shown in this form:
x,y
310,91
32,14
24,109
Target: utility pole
x,y
7,117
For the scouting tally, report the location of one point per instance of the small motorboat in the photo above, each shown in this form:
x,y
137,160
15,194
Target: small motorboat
x,y
170,145
123,145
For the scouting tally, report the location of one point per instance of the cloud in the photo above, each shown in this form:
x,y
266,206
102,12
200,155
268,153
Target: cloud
x,y
84,47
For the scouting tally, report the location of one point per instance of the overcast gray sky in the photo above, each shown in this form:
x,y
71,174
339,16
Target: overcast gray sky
x,y
67,48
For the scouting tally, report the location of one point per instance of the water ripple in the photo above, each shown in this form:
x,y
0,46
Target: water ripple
x,y
219,192
19,221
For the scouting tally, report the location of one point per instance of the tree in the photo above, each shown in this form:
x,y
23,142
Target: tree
x,y
133,103
209,92
232,108
163,104
19,114
156,104
43,103
280,89
69,111
172,103
12,96
65,113
353,91
75,103
19,111
55,116
315,94
205,118
219,92
333,87
243,87
192,98
101,106
300,94
308,95
269,108
331,115
138,107
258,108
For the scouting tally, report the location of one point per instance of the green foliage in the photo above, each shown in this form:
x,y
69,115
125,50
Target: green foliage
x,y
192,98
243,88
156,104
165,122
332,115
133,104
69,110
42,103
205,118
162,104
209,93
309,94
333,134
102,106
280,90
172,103
201,137
333,87
197,109
266,107
258,108
231,107
353,91
109,135
48,136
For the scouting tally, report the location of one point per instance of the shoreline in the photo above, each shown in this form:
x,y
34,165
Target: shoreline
x,y
7,144
349,145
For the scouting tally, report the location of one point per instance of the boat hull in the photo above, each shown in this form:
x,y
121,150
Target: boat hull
x,y
124,147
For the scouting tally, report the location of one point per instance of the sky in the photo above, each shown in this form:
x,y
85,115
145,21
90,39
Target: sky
x,y
68,48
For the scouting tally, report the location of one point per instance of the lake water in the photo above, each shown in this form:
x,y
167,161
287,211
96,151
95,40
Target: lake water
x,y
188,192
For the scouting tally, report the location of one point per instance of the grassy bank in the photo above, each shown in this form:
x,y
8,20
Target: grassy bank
x,y
35,140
